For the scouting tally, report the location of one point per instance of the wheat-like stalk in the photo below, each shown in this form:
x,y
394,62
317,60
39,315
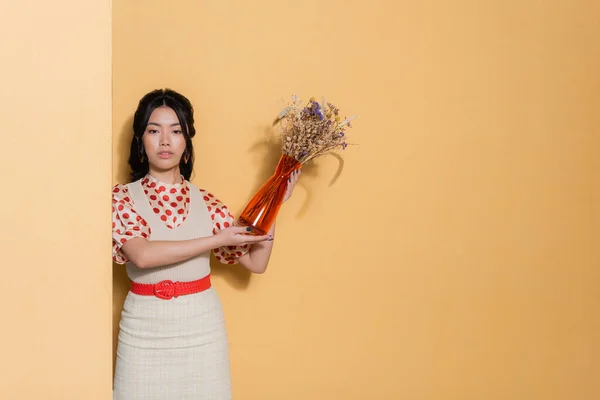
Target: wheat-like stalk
x,y
311,130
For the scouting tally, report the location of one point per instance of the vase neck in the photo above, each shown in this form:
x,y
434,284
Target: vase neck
x,y
286,165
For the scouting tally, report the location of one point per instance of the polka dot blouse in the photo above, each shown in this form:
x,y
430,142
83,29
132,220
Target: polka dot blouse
x,y
171,203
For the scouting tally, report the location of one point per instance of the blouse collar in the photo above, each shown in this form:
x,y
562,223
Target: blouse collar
x,y
152,182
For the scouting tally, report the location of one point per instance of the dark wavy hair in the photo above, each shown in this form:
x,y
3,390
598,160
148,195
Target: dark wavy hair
x,y
138,160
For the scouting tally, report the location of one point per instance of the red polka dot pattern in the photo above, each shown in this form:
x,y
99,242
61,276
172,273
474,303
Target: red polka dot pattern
x,y
172,213
222,218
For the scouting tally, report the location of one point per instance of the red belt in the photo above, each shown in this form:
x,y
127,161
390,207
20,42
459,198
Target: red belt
x,y
168,289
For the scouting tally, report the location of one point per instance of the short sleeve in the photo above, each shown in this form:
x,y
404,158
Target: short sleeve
x,y
222,218
126,223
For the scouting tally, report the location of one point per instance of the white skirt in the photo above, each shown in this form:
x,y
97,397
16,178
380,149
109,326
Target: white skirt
x,y
172,349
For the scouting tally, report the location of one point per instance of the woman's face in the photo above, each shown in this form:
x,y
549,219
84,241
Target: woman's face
x,y
163,140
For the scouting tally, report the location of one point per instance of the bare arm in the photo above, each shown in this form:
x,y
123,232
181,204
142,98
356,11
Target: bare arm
x,y
150,254
257,259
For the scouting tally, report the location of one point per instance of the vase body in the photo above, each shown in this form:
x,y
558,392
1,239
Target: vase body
x,y
261,211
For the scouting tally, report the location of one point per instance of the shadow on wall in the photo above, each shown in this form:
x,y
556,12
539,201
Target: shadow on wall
x,y
266,152
120,279
265,158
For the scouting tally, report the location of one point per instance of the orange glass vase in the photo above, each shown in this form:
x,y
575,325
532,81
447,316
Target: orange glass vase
x,y
261,211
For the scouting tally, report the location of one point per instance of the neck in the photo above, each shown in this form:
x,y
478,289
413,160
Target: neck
x,y
170,177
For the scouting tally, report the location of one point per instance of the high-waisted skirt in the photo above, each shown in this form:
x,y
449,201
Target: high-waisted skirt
x,y
172,349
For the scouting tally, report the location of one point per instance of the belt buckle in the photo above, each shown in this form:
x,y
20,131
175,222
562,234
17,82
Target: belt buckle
x,y
165,290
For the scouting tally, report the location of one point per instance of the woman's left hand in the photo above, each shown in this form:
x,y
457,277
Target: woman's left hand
x,y
292,183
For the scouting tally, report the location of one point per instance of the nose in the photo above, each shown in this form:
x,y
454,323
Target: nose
x,y
164,140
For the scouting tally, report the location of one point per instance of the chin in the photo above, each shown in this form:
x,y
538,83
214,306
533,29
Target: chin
x,y
165,165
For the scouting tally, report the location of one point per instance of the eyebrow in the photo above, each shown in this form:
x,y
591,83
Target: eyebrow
x,y
155,124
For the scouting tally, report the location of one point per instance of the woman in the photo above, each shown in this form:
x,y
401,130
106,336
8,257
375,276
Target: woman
x,y
172,340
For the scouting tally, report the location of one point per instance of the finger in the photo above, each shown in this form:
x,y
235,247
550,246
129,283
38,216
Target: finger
x,y
256,239
240,229
295,178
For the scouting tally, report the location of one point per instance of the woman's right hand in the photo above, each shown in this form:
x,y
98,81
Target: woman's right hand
x,y
238,236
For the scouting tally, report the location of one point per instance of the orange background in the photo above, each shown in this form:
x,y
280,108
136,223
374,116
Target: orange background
x,y
452,259
455,257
